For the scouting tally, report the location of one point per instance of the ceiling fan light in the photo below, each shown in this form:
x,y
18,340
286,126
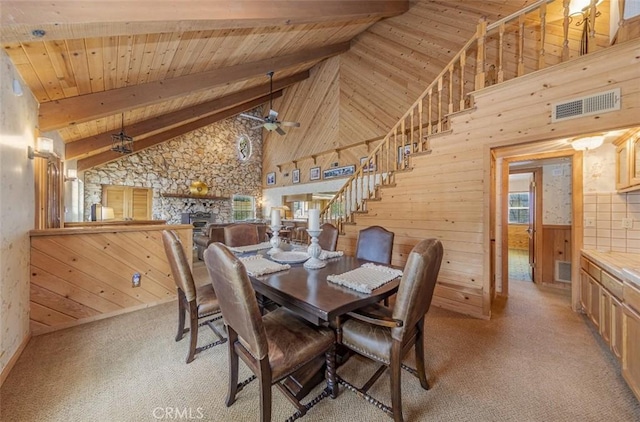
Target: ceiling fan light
x,y
270,126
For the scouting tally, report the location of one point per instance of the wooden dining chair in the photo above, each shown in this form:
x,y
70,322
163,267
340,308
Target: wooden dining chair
x,y
241,234
273,346
200,303
328,239
375,244
386,336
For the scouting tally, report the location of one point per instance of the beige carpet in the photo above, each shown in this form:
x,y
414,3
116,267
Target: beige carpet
x,y
534,361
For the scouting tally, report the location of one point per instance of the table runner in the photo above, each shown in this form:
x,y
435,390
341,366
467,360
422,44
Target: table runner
x,y
257,265
366,278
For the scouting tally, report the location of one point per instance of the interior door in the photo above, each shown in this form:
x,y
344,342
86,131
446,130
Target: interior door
x,y
531,230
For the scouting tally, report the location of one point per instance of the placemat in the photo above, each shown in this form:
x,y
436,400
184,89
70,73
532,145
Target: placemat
x,y
330,254
250,248
366,278
257,265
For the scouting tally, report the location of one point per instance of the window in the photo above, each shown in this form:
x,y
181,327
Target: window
x,y
300,209
519,208
243,208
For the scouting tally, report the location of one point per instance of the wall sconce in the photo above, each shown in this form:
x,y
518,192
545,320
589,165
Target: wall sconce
x,y
44,149
72,175
588,143
17,88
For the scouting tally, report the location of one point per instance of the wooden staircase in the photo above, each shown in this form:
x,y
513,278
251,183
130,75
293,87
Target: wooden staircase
x,y
371,196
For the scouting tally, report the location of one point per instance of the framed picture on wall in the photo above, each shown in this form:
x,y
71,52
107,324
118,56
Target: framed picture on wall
x,y
314,173
339,172
404,151
271,178
295,178
370,166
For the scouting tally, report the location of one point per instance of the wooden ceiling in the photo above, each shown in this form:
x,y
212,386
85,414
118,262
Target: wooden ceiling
x,y
168,67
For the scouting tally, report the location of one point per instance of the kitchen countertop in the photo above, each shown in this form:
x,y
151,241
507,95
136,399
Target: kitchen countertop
x,y
625,266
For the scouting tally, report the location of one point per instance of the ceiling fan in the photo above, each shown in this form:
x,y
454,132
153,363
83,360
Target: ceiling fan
x,y
270,121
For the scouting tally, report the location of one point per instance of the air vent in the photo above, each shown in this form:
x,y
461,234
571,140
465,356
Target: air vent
x,y
586,106
563,271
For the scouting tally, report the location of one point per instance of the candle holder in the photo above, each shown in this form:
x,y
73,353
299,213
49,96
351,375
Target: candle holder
x,y
275,241
314,250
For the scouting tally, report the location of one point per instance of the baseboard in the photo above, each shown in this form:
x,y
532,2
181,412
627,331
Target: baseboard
x,y
14,359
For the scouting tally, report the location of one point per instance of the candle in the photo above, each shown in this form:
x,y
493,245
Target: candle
x,y
314,219
275,217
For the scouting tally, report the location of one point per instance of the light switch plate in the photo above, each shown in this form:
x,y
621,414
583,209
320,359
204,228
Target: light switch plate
x,y
627,223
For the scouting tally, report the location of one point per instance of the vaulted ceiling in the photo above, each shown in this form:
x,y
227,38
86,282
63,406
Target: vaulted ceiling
x,y
167,67
170,67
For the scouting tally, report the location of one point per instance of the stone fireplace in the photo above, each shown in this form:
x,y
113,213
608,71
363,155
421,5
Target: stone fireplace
x,y
198,219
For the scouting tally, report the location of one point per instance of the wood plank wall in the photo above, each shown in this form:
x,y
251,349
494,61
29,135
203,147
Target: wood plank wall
x,y
361,94
446,195
81,275
556,245
518,236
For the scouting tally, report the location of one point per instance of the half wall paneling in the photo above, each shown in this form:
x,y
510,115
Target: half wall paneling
x,y
81,275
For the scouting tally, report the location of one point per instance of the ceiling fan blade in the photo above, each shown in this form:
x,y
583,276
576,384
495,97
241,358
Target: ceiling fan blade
x,y
280,131
256,127
290,124
249,116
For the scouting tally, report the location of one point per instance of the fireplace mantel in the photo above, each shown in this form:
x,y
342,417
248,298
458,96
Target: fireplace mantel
x,y
187,195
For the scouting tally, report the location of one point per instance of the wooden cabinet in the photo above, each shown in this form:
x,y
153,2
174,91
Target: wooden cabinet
x,y
628,162
631,349
631,338
128,202
585,296
614,308
605,318
616,327
594,310
623,179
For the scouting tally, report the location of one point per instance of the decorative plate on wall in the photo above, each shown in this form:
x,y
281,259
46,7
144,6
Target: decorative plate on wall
x,y
243,144
198,188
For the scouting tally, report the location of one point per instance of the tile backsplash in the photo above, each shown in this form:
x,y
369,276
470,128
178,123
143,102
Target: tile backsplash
x,y
604,213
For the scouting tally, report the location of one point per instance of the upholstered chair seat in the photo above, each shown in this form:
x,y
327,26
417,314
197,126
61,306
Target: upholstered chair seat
x,y
292,341
206,300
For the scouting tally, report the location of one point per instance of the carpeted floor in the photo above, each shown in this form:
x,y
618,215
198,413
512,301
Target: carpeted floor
x,y
535,360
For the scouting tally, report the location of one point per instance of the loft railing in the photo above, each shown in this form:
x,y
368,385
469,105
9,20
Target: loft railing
x,y
488,58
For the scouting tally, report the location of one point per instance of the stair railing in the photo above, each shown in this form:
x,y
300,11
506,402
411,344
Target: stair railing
x,y
469,70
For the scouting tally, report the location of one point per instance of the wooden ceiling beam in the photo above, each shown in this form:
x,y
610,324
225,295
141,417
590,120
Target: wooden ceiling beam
x,y
82,19
68,111
143,128
107,156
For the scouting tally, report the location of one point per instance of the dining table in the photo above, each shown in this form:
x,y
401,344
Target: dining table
x,y
309,294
